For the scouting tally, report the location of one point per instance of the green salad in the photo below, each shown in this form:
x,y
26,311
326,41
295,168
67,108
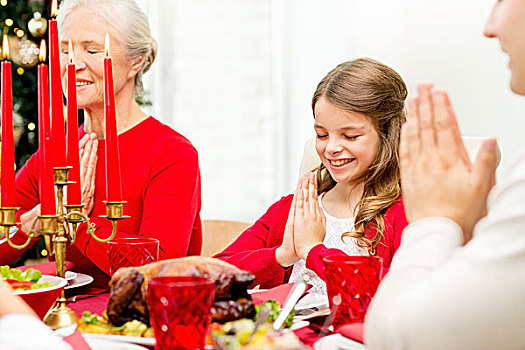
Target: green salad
x,y
275,308
25,280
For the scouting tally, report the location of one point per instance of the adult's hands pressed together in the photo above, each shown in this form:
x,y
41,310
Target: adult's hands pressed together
x,y
88,146
437,176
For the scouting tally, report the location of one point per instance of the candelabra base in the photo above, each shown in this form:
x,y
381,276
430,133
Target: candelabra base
x,y
61,316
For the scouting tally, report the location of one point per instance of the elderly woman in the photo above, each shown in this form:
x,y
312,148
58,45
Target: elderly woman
x,y
160,172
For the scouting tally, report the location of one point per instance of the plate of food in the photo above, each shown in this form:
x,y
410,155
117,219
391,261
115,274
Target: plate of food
x,y
127,302
310,300
81,279
236,335
99,327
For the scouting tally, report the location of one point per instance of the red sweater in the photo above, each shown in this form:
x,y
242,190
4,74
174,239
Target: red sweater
x,y
254,250
161,184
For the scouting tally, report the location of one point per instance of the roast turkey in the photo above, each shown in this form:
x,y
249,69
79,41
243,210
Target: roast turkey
x,y
129,288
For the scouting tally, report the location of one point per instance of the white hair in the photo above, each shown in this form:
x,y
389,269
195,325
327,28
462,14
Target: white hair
x,y
131,29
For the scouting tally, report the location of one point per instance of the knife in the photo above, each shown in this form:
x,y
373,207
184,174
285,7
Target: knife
x,y
296,293
336,301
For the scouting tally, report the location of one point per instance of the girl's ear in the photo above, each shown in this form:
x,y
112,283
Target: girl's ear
x,y
136,66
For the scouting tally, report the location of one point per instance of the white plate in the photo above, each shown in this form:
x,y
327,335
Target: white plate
x,y
298,325
311,300
104,344
81,280
337,341
147,342
144,341
70,275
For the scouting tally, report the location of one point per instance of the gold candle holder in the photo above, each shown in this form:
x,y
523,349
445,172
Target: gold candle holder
x,y
7,220
58,230
114,212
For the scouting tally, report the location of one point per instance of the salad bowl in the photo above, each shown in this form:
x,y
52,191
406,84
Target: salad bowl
x,y
42,299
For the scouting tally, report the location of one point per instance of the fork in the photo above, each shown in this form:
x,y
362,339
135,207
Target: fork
x,y
336,301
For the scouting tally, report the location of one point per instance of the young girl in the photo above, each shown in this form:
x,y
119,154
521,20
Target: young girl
x,y
353,205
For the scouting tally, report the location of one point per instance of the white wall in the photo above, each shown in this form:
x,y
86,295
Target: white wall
x,y
423,40
213,83
432,40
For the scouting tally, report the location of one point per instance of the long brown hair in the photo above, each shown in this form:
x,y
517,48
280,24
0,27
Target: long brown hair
x,y
376,90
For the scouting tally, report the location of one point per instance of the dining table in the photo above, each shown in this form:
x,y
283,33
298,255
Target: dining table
x,y
95,299
98,303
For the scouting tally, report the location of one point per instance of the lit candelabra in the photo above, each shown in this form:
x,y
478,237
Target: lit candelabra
x,y
58,230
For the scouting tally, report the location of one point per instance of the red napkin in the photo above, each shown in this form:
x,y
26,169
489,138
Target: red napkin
x,y
77,341
48,268
279,294
353,331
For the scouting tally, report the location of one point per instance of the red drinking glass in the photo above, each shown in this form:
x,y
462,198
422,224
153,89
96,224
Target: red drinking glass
x,y
125,252
355,279
179,309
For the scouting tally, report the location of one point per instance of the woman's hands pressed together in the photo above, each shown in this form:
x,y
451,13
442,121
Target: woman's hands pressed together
x,y
88,146
437,176
305,227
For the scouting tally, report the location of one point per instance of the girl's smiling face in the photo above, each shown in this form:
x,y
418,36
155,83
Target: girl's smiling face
x,y
347,142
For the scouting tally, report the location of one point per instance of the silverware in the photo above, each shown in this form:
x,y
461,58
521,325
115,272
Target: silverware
x,y
313,314
72,299
295,294
263,315
336,301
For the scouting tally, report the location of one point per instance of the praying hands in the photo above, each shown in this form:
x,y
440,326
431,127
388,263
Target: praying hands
x,y
437,177
305,227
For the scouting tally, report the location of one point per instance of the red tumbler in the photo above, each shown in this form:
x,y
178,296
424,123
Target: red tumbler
x,y
355,279
179,309
125,252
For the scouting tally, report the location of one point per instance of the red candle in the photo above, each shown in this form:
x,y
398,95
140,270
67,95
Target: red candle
x,y
46,183
113,184
57,105
7,168
73,190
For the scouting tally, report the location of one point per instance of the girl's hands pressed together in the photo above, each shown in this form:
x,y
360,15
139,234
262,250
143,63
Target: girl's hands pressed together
x,y
88,146
309,223
286,254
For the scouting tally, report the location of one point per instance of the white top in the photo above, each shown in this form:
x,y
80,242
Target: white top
x,y
442,295
23,332
335,228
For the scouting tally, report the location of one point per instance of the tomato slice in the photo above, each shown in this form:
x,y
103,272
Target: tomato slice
x,y
20,284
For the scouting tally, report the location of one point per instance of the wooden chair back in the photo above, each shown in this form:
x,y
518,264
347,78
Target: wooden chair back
x,y
218,234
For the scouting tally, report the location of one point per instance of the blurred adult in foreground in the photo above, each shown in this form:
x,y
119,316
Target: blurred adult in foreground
x,y
458,279
160,172
17,319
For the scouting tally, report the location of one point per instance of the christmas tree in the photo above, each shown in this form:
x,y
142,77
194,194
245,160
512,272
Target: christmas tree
x,y
24,22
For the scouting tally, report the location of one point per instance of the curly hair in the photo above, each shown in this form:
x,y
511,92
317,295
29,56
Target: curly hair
x,y
369,87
